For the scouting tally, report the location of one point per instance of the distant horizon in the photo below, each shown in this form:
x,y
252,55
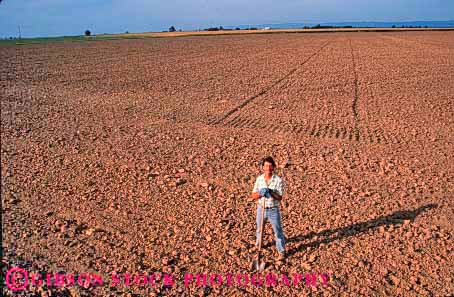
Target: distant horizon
x,y
52,18
258,26
353,22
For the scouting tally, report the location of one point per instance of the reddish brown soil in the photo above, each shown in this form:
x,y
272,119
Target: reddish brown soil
x,y
140,155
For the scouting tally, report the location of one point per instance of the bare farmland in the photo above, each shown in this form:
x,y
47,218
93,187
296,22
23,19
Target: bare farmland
x,y
140,156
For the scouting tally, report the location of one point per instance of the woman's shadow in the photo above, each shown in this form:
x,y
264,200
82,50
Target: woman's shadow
x,y
330,235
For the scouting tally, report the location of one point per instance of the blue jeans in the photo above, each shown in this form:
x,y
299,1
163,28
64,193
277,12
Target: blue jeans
x,y
273,215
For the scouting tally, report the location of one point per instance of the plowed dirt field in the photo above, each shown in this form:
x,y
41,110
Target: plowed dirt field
x,y
139,156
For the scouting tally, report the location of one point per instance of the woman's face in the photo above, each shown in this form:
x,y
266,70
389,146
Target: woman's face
x,y
268,167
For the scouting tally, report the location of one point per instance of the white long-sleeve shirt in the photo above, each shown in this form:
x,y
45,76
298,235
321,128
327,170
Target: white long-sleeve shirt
x,y
275,183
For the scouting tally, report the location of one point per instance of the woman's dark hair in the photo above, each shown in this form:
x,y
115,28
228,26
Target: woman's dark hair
x,y
269,160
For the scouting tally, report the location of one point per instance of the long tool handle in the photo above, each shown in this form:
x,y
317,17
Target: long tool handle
x,y
261,224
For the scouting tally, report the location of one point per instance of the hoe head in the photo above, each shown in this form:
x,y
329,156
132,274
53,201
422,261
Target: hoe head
x,y
258,265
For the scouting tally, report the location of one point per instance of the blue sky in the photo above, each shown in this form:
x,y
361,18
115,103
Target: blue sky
x,y
73,17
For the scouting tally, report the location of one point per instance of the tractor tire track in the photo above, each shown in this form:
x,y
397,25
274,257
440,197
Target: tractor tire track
x,y
355,96
317,130
266,89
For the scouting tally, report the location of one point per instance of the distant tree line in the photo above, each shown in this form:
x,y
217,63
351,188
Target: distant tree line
x,y
318,26
347,27
220,28
173,29
403,26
